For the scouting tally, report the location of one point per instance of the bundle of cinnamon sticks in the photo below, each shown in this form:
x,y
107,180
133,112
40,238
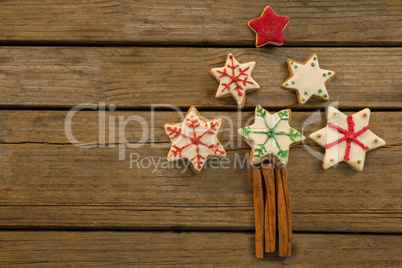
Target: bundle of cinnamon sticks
x,y
272,205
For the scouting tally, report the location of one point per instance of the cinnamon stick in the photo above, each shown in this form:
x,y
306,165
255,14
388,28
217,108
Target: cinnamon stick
x,y
270,211
282,216
258,194
288,210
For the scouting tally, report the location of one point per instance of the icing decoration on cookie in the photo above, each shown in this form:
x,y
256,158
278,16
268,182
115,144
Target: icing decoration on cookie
x,y
235,79
270,134
346,138
194,139
269,28
308,79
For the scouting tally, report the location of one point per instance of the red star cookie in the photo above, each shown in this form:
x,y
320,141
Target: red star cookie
x,y
269,28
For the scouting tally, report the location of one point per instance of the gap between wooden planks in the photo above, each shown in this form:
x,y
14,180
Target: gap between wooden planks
x,y
195,23
43,177
70,248
140,77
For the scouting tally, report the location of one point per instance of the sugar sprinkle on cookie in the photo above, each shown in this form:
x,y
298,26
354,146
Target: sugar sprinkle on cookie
x,y
269,28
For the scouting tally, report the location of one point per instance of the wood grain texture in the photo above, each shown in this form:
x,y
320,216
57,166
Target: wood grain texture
x,y
138,249
48,183
140,77
346,22
18,126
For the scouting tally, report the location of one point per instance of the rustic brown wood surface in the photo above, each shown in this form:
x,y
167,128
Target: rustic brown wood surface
x,y
191,22
45,176
100,249
139,77
79,180
61,205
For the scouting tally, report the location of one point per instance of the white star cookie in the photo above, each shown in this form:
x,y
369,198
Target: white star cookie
x,y
346,138
308,79
270,134
235,79
194,139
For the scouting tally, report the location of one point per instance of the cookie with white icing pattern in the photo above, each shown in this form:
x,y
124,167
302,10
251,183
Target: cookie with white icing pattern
x,y
235,79
195,139
270,135
346,138
308,79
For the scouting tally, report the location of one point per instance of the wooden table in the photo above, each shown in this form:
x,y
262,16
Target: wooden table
x,y
61,205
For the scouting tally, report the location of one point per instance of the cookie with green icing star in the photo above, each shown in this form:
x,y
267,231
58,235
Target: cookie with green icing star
x,y
308,79
270,135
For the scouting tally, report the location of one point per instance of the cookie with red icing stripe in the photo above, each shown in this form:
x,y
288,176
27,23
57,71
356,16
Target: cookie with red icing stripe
x,y
235,79
195,139
346,138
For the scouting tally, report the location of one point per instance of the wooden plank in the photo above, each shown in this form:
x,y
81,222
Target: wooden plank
x,y
18,126
140,77
48,183
60,249
363,22
189,217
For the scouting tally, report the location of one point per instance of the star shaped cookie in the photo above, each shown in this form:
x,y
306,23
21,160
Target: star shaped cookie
x,y
346,138
235,79
308,79
269,28
194,139
270,135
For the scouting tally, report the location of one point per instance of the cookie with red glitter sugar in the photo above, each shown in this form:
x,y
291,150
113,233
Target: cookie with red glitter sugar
x,y
235,79
269,28
346,138
195,139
